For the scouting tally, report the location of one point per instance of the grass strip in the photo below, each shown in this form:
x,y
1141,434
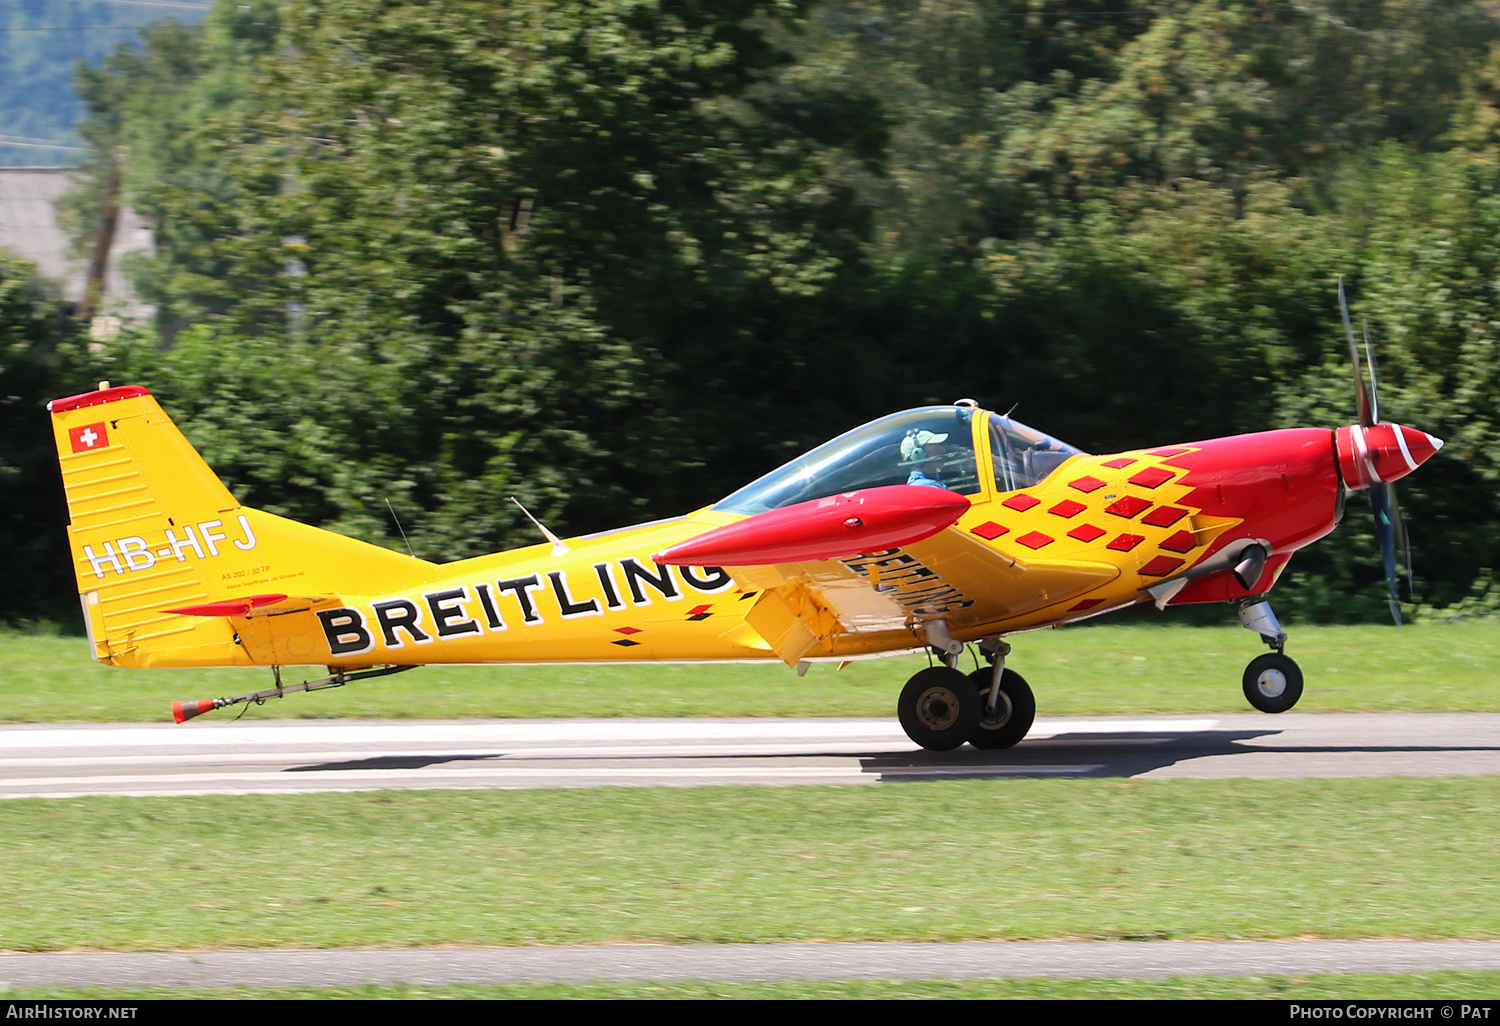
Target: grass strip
x,y
1104,669
947,860
1438,986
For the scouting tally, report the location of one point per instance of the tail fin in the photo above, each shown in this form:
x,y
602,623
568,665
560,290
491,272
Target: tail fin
x,y
166,557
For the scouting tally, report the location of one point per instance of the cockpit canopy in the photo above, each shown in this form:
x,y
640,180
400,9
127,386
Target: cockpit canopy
x,y
934,445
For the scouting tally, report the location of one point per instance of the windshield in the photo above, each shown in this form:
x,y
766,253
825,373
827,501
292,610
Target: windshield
x,y
930,446
1023,456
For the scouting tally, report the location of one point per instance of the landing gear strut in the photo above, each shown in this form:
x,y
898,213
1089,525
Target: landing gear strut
x,y
1273,682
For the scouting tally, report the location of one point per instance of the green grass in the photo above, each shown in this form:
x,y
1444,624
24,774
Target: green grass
x,y
952,860
1101,669
1450,986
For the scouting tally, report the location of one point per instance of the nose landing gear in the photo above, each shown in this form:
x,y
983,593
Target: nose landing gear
x,y
1273,682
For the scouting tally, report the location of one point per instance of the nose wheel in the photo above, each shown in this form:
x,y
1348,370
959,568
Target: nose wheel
x,y
1273,682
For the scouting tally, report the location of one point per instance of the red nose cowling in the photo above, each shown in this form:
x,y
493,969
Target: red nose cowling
x,y
1381,452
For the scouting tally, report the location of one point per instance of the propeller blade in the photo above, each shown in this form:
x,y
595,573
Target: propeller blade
x,y
1359,377
1374,376
1387,518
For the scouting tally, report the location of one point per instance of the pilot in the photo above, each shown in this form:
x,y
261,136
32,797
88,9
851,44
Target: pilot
x,y
923,451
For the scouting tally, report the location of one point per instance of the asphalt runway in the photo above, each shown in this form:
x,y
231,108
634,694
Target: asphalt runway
x,y
287,756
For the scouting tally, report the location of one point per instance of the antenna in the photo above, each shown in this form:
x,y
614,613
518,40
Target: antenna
x,y
558,548
397,519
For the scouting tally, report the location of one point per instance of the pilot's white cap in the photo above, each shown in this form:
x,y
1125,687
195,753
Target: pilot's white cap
x,y
914,439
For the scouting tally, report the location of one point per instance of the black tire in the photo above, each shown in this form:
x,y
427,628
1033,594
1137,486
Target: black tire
x,y
1273,683
1014,715
939,708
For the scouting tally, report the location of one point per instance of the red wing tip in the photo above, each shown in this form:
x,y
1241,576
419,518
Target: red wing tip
x,y
96,398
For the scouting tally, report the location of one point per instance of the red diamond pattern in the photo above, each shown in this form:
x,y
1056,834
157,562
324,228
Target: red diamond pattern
x,y
1171,450
627,630
1182,541
1086,484
989,530
1067,508
1164,516
1160,566
1085,604
1125,542
1151,477
1128,506
1021,503
1120,461
1035,540
1086,532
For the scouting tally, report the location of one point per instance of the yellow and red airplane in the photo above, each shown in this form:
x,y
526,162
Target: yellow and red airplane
x,y
932,529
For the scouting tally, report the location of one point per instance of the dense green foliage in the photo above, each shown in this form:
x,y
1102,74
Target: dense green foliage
x,y
616,257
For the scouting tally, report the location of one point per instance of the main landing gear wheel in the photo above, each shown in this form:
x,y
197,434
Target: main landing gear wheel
x,y
1013,715
939,708
1273,683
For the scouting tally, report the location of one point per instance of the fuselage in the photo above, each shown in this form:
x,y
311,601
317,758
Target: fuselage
x,y
1132,518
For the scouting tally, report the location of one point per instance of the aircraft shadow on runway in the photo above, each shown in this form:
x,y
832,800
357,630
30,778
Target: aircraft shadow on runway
x,y
392,762
1122,754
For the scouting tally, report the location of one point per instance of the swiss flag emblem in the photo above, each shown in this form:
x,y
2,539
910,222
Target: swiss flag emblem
x,y
90,436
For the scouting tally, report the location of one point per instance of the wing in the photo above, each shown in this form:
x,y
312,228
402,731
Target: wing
x,y
863,572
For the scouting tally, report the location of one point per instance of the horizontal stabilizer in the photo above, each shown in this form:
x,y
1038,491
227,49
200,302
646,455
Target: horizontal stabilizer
x,y
258,605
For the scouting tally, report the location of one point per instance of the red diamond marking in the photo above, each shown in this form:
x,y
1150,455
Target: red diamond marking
x,y
1067,508
1085,604
1128,506
1125,542
1160,566
1086,484
1086,532
627,630
1164,516
1116,464
989,530
1182,541
1152,476
1035,540
1021,502
1171,450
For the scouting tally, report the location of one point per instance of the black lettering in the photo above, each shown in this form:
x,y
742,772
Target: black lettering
x,y
906,598
342,624
635,574
522,587
565,601
607,582
946,607
491,618
853,560
444,615
714,579
401,613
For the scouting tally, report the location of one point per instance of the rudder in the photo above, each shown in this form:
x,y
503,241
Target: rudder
x,y
152,530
